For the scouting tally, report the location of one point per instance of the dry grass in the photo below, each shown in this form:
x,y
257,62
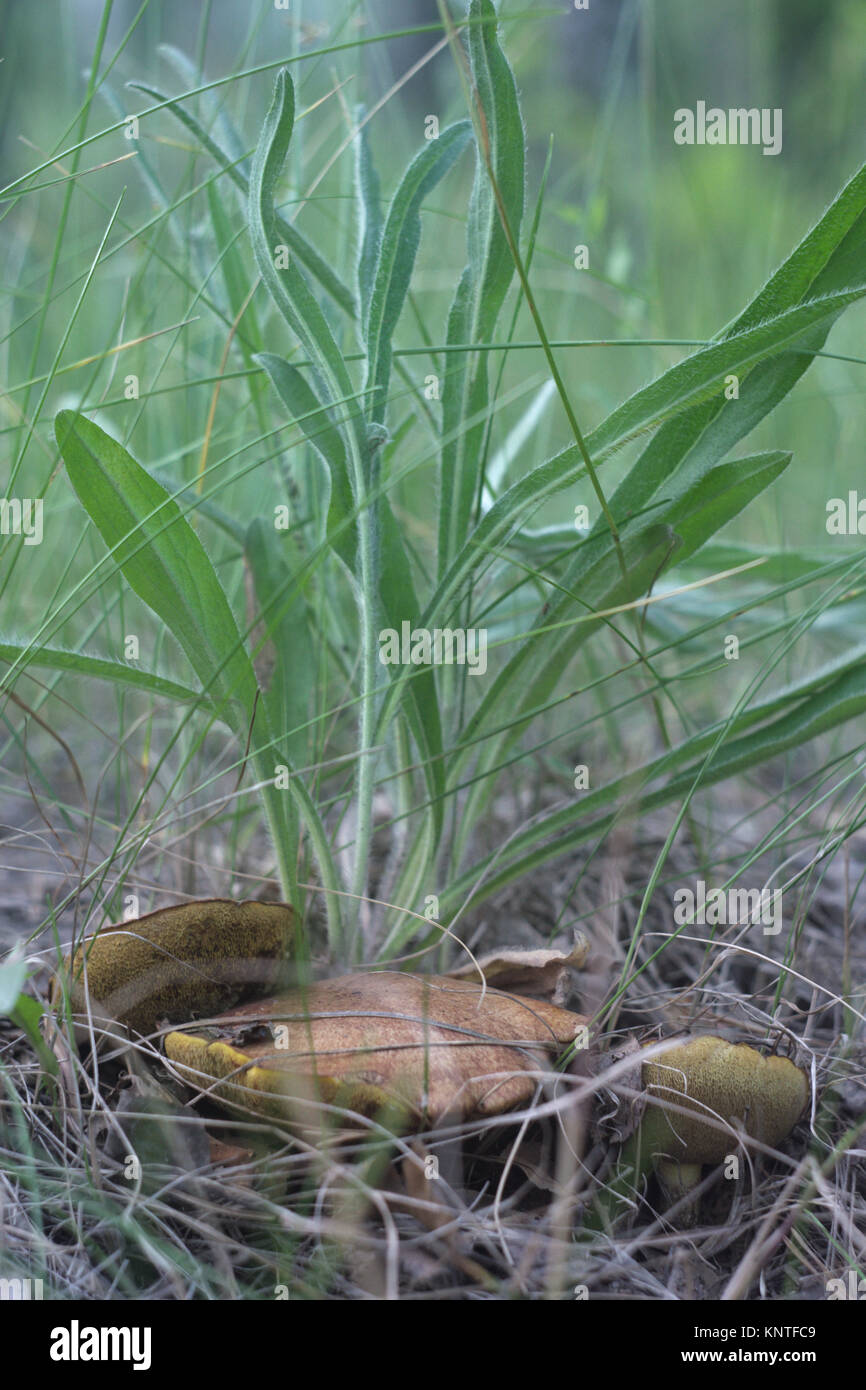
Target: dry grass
x,y
228,1208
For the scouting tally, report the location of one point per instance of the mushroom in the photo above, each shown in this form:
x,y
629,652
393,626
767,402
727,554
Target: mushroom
x,y
707,1095
177,963
427,1046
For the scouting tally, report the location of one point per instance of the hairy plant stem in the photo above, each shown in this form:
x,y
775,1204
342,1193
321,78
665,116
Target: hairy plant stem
x,y
368,571
283,826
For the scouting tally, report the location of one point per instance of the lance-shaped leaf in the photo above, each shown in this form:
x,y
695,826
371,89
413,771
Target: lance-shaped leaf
x,y
285,282
698,377
235,274
235,167
528,680
23,654
829,259
398,248
396,586
162,559
488,274
399,603
291,655
307,411
709,504
369,217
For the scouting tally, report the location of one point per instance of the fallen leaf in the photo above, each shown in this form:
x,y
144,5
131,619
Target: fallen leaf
x,y
222,1153
539,974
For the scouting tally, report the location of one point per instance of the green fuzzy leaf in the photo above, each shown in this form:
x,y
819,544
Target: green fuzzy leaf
x,y
398,248
297,243
162,559
24,654
709,504
236,275
318,425
272,558
487,277
369,218
829,259
398,603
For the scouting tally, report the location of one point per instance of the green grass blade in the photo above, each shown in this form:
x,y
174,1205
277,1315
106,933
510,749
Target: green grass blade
x,y
531,675
236,275
216,111
843,700
831,257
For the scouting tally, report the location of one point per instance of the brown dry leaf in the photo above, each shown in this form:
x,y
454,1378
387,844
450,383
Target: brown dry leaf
x,y
222,1153
429,1047
537,974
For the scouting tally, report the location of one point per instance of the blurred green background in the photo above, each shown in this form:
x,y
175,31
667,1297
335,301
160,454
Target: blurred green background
x,y
679,238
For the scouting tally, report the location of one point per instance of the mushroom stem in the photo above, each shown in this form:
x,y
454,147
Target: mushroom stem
x,y
677,1182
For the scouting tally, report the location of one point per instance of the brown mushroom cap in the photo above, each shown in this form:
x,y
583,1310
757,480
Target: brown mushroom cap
x,y
724,1086
431,1046
179,962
